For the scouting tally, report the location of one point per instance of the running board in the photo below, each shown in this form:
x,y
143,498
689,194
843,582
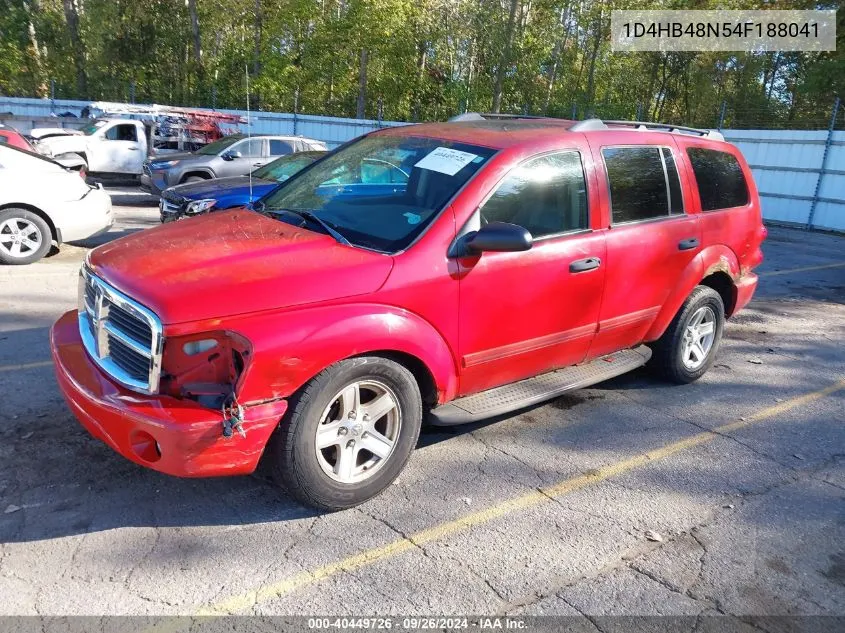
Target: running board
x,y
524,393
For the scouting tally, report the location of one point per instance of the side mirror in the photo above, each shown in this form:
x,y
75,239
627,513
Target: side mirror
x,y
499,237
231,155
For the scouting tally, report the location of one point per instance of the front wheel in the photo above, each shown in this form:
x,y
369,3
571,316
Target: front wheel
x,y
24,236
688,347
348,433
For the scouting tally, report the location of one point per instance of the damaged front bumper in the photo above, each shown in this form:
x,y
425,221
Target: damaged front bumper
x,y
172,435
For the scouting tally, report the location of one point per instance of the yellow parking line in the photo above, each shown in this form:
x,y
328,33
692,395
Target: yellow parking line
x,y
41,363
800,270
262,594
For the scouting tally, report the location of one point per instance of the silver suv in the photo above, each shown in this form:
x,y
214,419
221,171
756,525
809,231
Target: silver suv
x,y
234,155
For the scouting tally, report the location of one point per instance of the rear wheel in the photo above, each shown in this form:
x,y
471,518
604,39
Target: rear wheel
x,y
24,236
348,433
688,347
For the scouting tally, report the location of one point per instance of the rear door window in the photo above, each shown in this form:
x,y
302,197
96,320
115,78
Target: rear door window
x,y
643,183
721,183
676,200
280,148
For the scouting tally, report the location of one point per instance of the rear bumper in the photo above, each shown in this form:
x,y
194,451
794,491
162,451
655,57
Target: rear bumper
x,y
174,436
745,288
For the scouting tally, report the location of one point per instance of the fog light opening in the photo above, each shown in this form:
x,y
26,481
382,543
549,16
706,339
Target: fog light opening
x,y
145,446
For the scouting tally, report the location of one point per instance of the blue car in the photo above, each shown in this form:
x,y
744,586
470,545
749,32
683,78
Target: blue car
x,y
195,198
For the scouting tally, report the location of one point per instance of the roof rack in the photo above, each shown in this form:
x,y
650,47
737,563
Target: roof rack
x,y
597,124
488,116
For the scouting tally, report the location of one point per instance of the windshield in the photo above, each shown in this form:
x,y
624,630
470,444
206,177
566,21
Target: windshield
x,y
283,168
88,130
381,192
220,144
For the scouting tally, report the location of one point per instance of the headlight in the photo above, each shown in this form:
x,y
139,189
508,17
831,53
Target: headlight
x,y
200,206
163,164
204,367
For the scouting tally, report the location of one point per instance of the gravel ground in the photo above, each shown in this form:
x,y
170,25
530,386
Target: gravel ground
x,y
631,498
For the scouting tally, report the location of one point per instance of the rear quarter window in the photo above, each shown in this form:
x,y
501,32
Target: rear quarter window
x,y
721,183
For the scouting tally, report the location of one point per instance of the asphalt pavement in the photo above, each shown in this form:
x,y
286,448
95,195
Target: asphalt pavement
x,y
634,497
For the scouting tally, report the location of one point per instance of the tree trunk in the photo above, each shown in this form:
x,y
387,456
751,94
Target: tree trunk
x,y
256,63
330,96
560,46
505,58
31,7
195,32
591,85
71,8
362,85
422,56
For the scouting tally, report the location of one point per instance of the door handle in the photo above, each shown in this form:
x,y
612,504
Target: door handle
x,y
687,244
583,265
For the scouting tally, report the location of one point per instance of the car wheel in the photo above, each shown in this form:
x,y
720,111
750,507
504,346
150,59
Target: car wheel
x,y
348,433
688,347
24,236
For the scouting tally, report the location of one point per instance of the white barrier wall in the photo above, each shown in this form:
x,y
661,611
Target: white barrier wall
x,y
787,166
786,163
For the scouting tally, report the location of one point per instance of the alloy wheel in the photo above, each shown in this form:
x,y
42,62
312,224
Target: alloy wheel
x,y
698,338
358,431
19,237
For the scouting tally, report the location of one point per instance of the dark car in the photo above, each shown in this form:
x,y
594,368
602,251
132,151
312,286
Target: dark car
x,y
194,198
234,155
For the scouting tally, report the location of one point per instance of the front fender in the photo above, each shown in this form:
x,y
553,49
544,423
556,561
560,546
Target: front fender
x,y
712,259
289,348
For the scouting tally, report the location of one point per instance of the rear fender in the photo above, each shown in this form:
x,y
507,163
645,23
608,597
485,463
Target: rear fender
x,y
290,348
717,258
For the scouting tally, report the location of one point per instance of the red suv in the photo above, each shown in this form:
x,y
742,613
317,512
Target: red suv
x,y
445,271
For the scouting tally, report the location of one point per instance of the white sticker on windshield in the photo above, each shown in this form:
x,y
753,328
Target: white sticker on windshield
x,y
446,161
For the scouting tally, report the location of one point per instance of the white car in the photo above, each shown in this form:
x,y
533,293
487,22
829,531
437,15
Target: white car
x,y
42,202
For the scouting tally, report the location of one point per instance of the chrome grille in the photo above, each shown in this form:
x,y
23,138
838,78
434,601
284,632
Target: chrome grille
x,y
140,331
123,337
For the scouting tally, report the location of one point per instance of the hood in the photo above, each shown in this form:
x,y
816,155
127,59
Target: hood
x,y
43,132
218,187
64,144
158,158
234,262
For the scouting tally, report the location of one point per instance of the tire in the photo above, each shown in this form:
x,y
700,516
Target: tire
x,y
319,478
24,236
673,357
193,179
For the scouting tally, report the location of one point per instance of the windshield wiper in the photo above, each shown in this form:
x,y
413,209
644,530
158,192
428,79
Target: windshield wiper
x,y
308,215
